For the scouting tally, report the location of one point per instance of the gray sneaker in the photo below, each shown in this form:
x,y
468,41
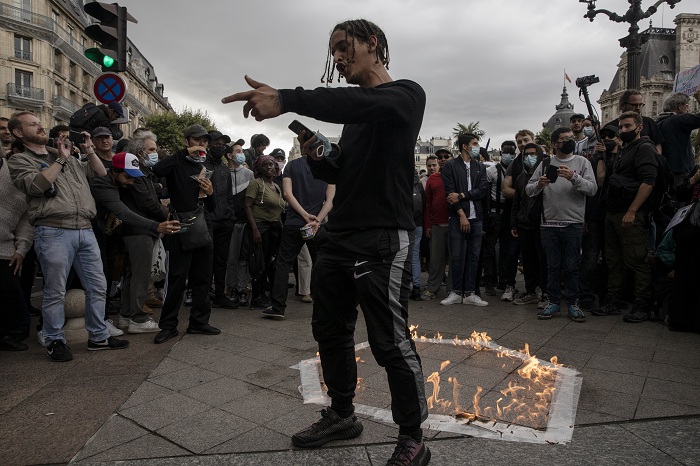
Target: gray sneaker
x,y
526,298
330,427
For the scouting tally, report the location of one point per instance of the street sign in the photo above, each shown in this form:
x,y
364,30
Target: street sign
x,y
688,81
109,87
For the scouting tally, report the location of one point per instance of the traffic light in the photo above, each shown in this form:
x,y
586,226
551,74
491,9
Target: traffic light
x,y
110,32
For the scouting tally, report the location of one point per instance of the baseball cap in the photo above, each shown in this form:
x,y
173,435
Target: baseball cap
x,y
117,107
196,131
277,153
218,135
443,151
579,116
127,162
100,131
610,129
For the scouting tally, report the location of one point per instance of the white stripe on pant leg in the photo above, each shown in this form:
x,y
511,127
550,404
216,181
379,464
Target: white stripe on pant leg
x,y
167,274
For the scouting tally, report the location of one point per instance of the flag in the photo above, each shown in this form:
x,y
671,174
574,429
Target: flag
x,y
566,76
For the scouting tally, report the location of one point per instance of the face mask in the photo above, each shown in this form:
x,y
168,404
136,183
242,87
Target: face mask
x,y
609,145
280,165
530,160
197,158
151,159
588,131
568,147
217,152
628,136
474,152
240,158
506,159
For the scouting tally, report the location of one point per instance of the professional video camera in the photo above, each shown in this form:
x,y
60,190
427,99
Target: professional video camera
x,y
587,80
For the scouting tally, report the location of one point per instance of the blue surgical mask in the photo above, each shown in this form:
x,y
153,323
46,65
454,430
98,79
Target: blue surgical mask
x,y
151,160
240,158
506,159
474,152
530,160
588,131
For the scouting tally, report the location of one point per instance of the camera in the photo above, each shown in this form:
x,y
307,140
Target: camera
x,y
586,81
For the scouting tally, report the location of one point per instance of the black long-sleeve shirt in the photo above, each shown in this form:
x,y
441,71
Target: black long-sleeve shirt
x,y
183,189
374,178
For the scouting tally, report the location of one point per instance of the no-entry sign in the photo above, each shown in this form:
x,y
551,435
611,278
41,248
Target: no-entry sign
x,y
109,87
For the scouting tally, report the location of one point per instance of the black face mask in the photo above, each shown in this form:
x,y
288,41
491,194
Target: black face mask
x,y
628,136
217,151
609,145
568,147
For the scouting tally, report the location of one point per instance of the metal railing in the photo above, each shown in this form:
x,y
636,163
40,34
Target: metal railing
x,y
23,55
69,105
17,90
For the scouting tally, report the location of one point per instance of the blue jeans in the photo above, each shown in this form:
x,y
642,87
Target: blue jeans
x,y
562,246
57,249
415,260
465,250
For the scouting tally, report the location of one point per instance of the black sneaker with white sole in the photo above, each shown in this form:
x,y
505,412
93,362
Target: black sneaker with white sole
x,y
329,427
109,343
58,351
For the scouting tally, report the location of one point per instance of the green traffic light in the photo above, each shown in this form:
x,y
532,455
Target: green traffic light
x,y
108,61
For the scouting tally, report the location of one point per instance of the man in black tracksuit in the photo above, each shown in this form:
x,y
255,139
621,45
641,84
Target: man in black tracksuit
x,y
187,195
365,257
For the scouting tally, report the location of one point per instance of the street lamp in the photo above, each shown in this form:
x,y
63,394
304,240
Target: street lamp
x,y
633,41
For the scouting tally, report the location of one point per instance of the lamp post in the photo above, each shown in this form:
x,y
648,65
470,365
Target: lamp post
x,y
633,41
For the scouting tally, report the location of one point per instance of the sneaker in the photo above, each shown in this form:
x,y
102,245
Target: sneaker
x,y
329,427
543,302
109,343
550,311
41,338
576,314
273,313
508,294
243,298
307,298
415,294
123,322
428,295
188,298
452,298
113,331
611,306
233,295
149,326
58,351
526,298
408,452
639,313
475,300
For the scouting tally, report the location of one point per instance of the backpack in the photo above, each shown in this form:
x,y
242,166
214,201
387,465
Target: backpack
x,y
536,212
83,115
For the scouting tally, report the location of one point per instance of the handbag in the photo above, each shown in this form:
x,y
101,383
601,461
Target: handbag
x,y
158,261
194,233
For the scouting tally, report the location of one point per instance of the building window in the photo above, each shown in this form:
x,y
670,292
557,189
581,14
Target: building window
x,y
72,73
86,82
23,83
25,7
70,34
23,48
58,61
663,59
54,16
58,90
417,158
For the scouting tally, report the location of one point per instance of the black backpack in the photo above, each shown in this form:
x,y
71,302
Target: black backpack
x,y
82,116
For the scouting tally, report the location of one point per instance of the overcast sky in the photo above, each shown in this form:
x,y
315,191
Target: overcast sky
x,y
499,62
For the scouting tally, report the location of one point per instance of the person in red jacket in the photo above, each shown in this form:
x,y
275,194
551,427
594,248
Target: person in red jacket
x,y
435,217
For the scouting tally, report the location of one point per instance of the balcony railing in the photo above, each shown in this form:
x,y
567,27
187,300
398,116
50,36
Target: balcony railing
x,y
68,105
26,92
23,55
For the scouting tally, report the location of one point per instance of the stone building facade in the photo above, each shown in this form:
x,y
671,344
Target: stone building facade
x,y
43,68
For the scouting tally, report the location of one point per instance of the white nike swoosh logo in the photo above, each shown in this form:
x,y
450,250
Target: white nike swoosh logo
x,y
358,263
358,275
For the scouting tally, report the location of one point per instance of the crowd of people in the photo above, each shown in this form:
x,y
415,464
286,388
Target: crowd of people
x,y
588,217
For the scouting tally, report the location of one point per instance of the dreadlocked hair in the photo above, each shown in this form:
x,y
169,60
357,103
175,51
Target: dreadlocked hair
x,y
360,29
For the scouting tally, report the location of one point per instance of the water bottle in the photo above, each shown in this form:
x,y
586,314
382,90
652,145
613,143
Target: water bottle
x,y
51,192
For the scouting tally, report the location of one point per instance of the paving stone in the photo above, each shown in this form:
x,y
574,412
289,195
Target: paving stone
x,y
261,406
613,381
682,393
147,446
676,437
184,378
257,439
618,364
673,373
220,391
645,343
146,392
168,365
116,431
205,430
654,407
607,402
161,412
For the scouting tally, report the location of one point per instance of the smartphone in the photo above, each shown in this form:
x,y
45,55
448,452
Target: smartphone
x,y
552,173
297,128
76,137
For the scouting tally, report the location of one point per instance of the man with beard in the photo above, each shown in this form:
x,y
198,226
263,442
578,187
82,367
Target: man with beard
x,y
61,208
366,254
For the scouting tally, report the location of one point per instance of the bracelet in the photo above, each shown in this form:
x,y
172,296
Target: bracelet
x,y
61,162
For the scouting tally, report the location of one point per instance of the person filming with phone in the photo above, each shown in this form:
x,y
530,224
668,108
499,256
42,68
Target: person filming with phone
x,y
564,183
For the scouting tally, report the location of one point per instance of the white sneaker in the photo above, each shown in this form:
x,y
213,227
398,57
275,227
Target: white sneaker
x,y
452,298
544,302
508,295
41,338
123,322
113,331
150,326
474,300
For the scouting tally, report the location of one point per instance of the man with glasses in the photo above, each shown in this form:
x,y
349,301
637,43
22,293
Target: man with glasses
x,y
676,124
633,101
435,221
564,204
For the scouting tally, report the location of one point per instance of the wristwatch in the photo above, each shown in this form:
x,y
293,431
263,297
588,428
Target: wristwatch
x,y
460,196
61,161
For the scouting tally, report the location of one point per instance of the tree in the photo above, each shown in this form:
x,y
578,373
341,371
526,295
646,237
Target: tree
x,y
472,128
545,136
170,127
